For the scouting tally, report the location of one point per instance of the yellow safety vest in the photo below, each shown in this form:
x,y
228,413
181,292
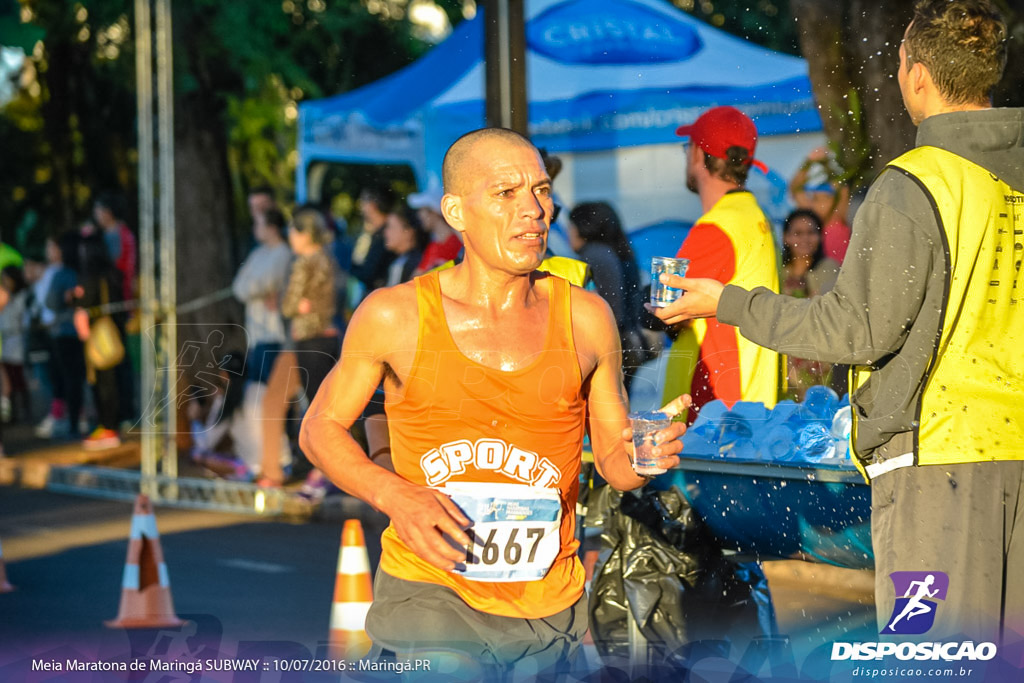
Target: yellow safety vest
x,y
575,271
757,265
970,405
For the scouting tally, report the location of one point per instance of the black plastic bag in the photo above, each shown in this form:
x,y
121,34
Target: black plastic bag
x,y
659,561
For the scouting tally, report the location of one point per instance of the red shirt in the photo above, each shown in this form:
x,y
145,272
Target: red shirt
x,y
127,260
438,253
717,372
835,240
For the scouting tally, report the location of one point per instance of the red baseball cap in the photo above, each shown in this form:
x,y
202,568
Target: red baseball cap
x,y
720,128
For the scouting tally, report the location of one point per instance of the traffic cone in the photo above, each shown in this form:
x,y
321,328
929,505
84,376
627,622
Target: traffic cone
x,y
353,595
5,587
145,587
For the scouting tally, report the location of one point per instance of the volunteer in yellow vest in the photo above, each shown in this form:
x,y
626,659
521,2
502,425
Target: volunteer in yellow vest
x,y
732,242
492,371
928,308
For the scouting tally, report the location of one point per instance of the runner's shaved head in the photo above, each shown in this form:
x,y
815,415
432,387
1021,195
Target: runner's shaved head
x,y
458,160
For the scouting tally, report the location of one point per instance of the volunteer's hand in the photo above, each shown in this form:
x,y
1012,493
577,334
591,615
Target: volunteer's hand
x,y
669,441
700,300
305,306
420,516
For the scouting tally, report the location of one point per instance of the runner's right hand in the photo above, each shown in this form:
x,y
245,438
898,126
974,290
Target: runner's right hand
x,y
420,516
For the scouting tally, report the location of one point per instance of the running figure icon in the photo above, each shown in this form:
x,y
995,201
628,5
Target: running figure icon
x,y
916,606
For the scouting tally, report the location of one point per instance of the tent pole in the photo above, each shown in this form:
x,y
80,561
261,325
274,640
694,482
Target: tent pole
x,y
168,252
147,238
505,64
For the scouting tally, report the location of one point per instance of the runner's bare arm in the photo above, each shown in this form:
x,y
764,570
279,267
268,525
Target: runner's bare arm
x,y
600,353
420,514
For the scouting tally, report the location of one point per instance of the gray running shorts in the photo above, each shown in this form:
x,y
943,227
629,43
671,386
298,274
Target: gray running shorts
x,y
416,620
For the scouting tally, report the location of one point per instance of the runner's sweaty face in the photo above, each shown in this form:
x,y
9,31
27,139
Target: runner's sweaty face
x,y
506,206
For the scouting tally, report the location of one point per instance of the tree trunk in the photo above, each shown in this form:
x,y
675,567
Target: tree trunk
x,y
852,52
1010,91
203,226
820,31
56,111
872,45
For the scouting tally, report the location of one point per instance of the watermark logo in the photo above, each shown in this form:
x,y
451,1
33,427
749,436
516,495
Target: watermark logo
x,y
917,601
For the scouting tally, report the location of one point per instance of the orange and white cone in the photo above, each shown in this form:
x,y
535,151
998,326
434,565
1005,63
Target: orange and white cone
x,y
353,595
5,586
145,586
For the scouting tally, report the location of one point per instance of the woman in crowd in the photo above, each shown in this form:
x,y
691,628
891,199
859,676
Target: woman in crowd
x,y
406,239
370,258
39,323
309,304
596,234
100,283
445,242
68,368
814,187
12,351
806,272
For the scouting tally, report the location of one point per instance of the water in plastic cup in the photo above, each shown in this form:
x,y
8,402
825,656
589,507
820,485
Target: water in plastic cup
x,y
662,295
645,425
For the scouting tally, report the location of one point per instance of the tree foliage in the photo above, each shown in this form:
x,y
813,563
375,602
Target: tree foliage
x,y
765,22
241,68
851,48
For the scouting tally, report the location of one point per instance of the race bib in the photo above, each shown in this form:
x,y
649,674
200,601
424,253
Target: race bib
x,y
515,530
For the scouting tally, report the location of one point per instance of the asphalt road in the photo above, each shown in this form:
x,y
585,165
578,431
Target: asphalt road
x,y
239,579
248,586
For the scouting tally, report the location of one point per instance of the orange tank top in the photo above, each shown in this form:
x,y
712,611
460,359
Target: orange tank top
x,y
449,399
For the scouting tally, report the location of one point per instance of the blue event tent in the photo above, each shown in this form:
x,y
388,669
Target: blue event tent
x,y
601,75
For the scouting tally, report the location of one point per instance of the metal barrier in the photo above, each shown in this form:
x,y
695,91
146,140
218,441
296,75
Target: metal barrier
x,y
217,495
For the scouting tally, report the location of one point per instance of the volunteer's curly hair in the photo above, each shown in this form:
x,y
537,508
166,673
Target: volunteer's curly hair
x,y
962,43
733,169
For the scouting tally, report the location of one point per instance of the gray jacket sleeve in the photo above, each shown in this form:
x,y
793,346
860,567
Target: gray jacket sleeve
x,y
877,297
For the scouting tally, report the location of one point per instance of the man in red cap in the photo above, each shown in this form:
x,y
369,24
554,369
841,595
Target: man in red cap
x,y
731,242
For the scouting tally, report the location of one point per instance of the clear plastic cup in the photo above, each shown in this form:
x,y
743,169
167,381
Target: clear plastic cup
x,y
663,295
645,425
